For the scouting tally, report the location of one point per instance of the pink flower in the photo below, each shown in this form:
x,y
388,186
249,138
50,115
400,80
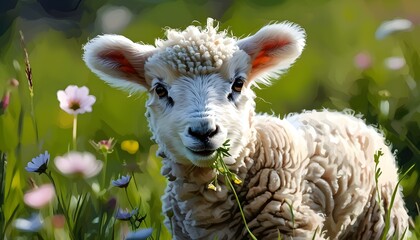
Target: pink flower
x,y
39,197
104,146
58,221
84,164
75,100
4,103
363,60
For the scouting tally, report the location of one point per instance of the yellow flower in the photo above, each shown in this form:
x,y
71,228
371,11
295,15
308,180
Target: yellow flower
x,y
211,187
130,146
236,180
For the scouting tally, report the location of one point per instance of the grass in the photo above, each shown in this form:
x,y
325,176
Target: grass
x,y
33,122
378,173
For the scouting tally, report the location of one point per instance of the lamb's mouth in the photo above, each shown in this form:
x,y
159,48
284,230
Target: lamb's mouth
x,y
203,153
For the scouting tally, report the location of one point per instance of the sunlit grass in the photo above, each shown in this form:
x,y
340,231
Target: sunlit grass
x,y
324,77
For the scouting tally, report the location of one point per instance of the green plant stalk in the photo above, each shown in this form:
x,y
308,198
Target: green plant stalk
x,y
20,125
2,179
34,119
11,218
293,216
227,174
100,222
314,236
61,206
128,198
104,170
378,173
75,132
394,193
240,207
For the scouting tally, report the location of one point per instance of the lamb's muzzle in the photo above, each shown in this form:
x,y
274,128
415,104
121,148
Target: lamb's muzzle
x,y
307,175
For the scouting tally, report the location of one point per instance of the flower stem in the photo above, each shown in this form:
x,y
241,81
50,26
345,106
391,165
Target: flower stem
x,y
221,168
240,208
34,118
2,186
75,132
104,170
129,202
61,206
227,179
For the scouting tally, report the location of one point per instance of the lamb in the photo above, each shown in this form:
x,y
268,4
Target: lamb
x,y
308,175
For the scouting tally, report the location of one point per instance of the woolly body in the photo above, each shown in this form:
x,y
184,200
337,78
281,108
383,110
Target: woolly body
x,y
309,174
304,173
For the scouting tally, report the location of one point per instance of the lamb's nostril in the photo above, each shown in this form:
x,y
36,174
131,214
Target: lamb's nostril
x,y
203,134
211,133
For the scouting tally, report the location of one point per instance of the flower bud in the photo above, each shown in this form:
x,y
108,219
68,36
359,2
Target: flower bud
x,y
4,103
14,83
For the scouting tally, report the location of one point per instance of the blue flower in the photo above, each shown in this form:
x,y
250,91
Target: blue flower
x,y
122,182
141,234
125,215
33,224
392,26
38,164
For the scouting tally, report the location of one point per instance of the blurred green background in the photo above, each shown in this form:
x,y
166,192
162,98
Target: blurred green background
x,y
343,66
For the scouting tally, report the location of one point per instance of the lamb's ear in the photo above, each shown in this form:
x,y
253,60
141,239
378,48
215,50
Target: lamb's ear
x,y
273,49
118,61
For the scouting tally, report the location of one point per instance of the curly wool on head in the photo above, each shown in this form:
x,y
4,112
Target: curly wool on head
x,y
196,50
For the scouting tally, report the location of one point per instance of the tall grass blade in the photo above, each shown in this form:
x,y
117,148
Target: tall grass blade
x,y
394,193
2,179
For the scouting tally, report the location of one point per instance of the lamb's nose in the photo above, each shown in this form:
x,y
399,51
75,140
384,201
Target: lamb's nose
x,y
203,134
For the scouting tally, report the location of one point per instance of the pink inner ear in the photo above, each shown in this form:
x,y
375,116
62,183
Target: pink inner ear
x,y
123,64
264,56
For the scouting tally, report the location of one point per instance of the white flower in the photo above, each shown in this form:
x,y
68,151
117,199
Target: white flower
x,y
389,27
394,63
84,164
75,100
39,197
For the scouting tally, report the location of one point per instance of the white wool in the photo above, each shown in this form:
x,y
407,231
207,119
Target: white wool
x,y
310,175
196,50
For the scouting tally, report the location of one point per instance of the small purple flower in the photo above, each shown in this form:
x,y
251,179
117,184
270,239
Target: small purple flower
x,y
125,215
38,164
141,234
122,182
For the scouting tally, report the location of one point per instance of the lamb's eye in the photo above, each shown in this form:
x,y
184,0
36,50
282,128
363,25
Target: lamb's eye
x,y
238,84
161,91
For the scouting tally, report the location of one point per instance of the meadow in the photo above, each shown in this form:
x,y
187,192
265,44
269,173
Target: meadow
x,y
354,59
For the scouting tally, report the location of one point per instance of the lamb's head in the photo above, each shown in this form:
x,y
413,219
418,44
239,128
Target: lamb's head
x,y
199,82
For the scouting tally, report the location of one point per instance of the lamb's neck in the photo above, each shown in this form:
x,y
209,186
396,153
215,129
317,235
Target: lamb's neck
x,y
198,210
